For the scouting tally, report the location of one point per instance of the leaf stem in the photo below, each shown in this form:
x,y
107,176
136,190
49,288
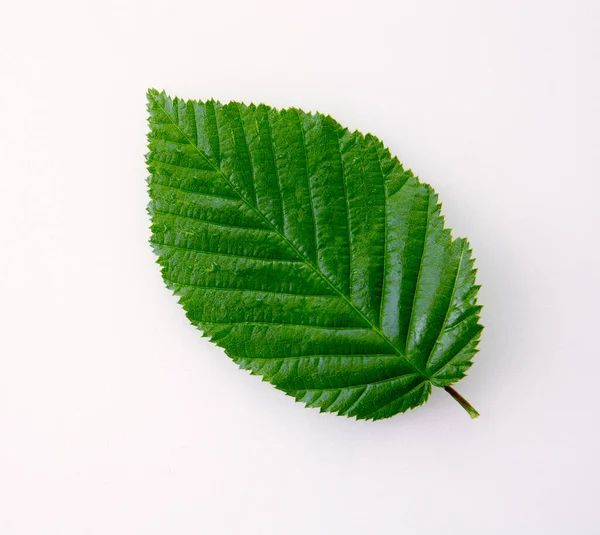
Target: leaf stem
x,y
462,401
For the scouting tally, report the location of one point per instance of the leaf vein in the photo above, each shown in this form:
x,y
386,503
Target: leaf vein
x,y
236,255
462,252
347,214
298,357
419,271
277,177
397,398
209,195
280,324
246,290
457,354
213,223
370,383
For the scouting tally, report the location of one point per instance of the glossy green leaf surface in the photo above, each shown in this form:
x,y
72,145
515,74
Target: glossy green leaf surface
x,y
310,255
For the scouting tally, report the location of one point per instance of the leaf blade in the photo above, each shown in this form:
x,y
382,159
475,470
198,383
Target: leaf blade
x,y
315,221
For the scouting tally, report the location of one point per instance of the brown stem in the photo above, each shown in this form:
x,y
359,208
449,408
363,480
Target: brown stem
x,y
462,401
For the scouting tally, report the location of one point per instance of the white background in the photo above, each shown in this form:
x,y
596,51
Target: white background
x,y
116,417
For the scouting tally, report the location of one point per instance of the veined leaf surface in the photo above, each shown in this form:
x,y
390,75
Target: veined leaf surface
x,y
310,255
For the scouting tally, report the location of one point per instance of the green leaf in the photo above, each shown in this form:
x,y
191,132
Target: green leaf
x,y
310,255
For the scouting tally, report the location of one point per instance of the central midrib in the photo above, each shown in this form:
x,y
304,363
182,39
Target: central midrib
x,y
293,247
